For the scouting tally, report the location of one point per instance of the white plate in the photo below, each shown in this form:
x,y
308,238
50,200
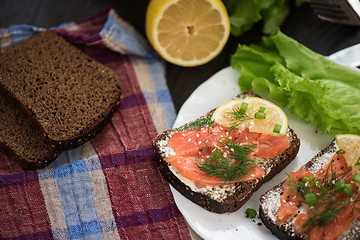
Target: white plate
x,y
219,88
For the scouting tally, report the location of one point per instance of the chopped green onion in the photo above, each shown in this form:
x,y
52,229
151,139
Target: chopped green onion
x,y
216,152
308,179
311,198
356,178
340,151
277,128
244,106
339,185
348,190
260,115
358,162
317,183
251,213
322,191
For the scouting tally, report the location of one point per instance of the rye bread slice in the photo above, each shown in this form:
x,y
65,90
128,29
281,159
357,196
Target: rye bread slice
x,y
230,197
20,138
270,202
68,93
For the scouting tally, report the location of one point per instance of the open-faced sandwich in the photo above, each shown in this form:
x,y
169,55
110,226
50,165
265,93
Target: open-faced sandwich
x,y
321,200
220,159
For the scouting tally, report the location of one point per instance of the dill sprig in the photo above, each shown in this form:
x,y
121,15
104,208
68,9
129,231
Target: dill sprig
x,y
331,205
204,121
230,164
326,182
237,117
296,185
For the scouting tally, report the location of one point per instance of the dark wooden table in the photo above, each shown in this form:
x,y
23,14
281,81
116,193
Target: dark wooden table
x,y
302,24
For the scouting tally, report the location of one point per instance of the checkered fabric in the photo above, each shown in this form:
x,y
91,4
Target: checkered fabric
x,y
108,188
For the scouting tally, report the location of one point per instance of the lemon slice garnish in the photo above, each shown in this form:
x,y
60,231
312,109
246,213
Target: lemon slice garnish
x,y
275,118
350,143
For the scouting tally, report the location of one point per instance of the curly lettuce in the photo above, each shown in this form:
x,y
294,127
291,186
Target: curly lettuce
x,y
315,88
244,14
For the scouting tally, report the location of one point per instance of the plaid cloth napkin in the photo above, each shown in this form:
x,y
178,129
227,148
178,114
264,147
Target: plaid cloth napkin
x,y
108,188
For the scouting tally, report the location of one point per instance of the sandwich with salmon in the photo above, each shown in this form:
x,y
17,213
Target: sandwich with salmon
x,y
219,160
321,200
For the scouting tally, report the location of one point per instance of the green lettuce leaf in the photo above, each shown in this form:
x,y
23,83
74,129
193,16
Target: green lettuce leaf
x,y
244,14
315,88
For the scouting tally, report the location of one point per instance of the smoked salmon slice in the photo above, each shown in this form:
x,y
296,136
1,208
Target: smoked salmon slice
x,y
187,168
192,147
290,201
270,146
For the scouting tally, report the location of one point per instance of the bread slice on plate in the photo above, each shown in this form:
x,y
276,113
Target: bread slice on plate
x,y
288,228
66,92
227,197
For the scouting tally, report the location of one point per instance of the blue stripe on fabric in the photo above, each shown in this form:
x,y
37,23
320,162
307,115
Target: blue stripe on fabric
x,y
157,71
127,158
108,225
67,170
157,68
93,164
164,96
46,174
60,233
22,32
76,194
148,217
89,165
76,197
94,229
84,230
169,112
32,236
126,35
18,179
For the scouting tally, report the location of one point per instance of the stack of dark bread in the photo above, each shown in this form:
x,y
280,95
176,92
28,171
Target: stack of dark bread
x,y
53,97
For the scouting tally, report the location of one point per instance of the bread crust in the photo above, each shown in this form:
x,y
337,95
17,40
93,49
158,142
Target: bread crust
x,y
25,163
21,138
240,192
270,203
23,107
71,96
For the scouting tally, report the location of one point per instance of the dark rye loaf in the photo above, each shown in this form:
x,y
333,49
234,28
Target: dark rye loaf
x,y
270,203
68,93
229,197
21,140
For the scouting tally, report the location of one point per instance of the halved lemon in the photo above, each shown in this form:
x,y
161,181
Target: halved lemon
x,y
187,32
350,143
262,116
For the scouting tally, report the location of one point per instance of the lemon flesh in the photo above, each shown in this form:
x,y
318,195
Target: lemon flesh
x,y
274,116
187,32
350,143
